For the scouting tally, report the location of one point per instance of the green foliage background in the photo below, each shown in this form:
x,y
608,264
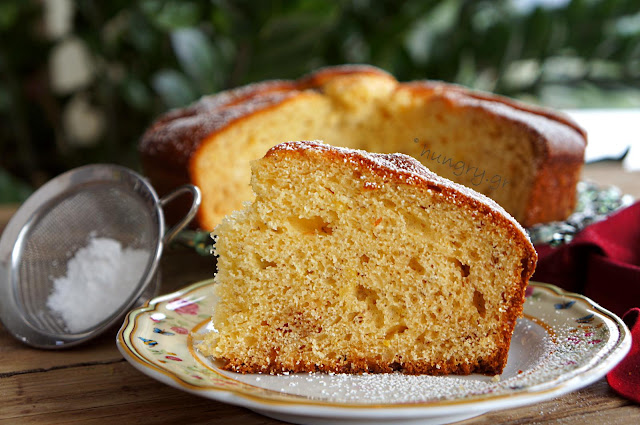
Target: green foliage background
x,y
151,55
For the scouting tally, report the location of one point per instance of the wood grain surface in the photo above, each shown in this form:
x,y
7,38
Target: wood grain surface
x,y
93,384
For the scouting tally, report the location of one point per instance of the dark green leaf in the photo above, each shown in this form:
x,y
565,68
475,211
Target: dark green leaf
x,y
174,88
170,15
9,12
141,34
198,58
12,189
135,93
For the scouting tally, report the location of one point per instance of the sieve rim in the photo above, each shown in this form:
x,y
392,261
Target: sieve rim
x,y
12,314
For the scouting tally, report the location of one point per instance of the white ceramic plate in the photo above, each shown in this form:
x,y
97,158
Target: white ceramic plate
x,y
564,342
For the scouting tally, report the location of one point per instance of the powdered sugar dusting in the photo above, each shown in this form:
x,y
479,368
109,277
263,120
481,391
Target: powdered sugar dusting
x,y
100,277
180,134
556,137
524,111
211,103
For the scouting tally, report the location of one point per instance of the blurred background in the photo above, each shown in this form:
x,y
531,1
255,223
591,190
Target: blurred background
x,y
80,80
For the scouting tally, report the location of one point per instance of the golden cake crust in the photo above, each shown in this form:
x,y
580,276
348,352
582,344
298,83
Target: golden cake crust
x,y
169,148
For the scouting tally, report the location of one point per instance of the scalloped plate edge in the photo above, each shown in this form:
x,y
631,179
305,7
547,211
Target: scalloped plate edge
x,y
279,404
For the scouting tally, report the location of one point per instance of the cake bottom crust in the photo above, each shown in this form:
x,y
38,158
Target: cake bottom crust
x,y
493,365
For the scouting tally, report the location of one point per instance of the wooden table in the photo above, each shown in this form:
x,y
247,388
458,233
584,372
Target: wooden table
x,y
94,384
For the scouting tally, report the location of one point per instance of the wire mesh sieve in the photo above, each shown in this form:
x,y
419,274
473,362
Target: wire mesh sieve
x,y
96,201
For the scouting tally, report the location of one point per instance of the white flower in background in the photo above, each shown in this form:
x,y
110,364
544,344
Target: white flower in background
x,y
58,17
83,123
70,66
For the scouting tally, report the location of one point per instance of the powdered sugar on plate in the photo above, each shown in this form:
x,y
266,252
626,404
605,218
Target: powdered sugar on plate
x,y
563,343
532,351
100,277
559,338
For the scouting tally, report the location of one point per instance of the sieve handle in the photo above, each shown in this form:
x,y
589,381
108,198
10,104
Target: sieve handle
x,y
195,204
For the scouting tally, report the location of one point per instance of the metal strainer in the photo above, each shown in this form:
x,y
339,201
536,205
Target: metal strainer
x,y
106,201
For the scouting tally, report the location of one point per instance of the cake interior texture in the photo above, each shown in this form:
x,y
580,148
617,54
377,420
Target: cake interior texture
x,y
487,146
339,265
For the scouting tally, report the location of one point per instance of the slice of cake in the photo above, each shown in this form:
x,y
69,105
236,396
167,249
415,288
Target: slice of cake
x,y
354,262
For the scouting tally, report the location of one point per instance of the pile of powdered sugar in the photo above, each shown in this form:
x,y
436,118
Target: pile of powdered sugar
x,y
100,277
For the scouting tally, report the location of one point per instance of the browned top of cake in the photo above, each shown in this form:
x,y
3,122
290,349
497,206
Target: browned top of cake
x,y
177,134
556,135
404,169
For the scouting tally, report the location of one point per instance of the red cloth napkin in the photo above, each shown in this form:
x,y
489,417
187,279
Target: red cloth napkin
x,y
603,263
625,378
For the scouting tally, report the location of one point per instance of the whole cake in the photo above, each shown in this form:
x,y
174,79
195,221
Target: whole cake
x,y
354,262
527,159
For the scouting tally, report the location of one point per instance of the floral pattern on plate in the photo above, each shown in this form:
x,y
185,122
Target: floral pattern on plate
x,y
563,342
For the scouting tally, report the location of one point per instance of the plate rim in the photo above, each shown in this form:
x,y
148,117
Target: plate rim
x,y
582,376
